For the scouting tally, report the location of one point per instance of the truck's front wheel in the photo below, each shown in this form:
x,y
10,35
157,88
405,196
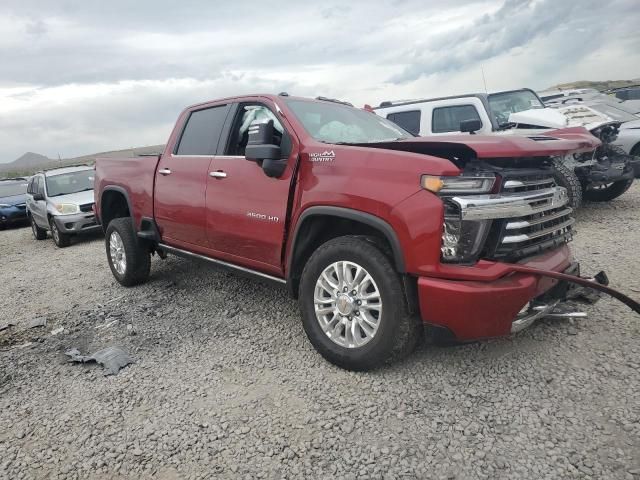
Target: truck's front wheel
x,y
353,305
130,262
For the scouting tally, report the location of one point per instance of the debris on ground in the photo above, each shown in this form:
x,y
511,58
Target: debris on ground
x,y
38,322
57,331
111,358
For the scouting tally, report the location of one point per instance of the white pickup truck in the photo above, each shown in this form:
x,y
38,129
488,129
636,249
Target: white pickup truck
x,y
599,176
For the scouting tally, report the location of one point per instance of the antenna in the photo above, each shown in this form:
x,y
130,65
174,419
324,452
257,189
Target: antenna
x,y
484,80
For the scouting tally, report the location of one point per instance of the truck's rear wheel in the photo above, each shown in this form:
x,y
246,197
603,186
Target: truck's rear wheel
x,y
353,305
607,191
130,262
567,178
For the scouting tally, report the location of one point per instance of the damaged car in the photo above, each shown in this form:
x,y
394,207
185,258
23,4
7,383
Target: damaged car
x,y
599,175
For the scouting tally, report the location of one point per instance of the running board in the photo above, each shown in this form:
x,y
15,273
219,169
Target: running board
x,y
184,253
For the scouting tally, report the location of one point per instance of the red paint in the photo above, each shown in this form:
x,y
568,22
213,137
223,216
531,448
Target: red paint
x,y
212,216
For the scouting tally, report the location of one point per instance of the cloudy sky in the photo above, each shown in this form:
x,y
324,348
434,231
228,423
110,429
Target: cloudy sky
x,y
82,76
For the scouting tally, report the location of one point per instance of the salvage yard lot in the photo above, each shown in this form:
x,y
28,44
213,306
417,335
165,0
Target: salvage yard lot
x,y
226,384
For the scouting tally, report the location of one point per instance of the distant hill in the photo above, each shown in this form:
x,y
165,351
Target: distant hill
x,y
30,162
602,85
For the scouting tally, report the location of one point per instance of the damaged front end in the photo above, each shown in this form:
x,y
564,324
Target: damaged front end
x,y
561,300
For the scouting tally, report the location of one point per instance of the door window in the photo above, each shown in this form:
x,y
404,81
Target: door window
x,y
410,120
202,131
448,119
255,113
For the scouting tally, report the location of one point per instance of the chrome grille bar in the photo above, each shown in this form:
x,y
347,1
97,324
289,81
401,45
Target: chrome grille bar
x,y
515,225
523,237
528,183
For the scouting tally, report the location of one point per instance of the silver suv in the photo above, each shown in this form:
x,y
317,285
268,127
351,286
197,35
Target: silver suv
x,y
61,200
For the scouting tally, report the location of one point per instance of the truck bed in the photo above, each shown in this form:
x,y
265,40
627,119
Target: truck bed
x,y
133,175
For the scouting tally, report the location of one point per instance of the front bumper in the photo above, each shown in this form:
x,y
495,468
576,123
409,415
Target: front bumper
x,y
77,223
13,215
475,309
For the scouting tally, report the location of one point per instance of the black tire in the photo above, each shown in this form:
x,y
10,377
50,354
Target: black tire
x,y
38,233
608,192
61,240
398,330
567,178
137,256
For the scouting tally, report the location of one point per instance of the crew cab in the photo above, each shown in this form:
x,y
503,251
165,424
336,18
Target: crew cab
x,y
376,232
597,176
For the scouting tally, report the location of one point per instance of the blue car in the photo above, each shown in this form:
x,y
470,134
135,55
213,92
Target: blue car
x,y
13,197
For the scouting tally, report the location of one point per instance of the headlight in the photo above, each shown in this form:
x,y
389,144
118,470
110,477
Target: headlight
x,y
458,185
462,240
4,205
67,208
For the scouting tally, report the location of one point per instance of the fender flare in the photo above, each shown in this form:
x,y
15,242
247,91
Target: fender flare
x,y
114,188
355,215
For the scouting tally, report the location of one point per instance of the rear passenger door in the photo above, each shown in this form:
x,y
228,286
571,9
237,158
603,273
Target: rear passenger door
x,y
181,178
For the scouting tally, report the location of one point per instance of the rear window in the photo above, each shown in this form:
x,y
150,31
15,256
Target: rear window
x,y
202,132
410,120
448,119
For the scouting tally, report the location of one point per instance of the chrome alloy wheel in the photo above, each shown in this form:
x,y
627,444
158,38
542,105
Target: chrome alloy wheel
x,y
117,253
348,304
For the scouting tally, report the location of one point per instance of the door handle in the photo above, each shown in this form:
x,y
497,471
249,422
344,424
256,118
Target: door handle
x,y
218,174
164,171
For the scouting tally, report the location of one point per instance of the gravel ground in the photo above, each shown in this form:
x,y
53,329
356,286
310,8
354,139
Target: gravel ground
x,y
225,384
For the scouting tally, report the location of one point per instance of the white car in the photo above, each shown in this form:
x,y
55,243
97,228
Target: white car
x,y
627,111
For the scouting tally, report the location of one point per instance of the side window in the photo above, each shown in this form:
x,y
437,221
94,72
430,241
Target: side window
x,y
410,120
447,119
40,186
255,113
202,131
30,185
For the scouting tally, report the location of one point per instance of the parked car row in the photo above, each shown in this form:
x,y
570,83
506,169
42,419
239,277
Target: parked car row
x,y
58,200
375,230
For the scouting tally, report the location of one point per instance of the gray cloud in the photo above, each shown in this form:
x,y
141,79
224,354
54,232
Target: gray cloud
x,y
82,76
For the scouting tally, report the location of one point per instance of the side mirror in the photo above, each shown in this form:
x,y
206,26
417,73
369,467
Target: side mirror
x,y
260,148
38,196
470,126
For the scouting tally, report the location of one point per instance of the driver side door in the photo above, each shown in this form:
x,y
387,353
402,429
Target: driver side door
x,y
246,209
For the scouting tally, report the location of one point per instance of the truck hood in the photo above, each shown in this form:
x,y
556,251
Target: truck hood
x,y
557,142
79,198
561,117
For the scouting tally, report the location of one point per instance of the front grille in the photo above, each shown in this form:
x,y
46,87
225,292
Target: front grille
x,y
87,207
512,239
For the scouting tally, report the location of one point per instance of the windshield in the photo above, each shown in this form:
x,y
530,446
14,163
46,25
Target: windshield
x,y
505,103
12,189
335,123
67,183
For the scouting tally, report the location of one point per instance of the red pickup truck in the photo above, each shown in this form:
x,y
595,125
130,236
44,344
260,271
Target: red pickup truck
x,y
375,231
